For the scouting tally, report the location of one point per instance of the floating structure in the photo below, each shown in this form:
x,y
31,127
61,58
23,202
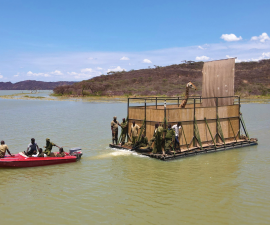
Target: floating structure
x,y
211,122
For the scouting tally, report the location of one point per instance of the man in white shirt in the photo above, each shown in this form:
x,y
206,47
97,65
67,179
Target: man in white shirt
x,y
32,147
176,128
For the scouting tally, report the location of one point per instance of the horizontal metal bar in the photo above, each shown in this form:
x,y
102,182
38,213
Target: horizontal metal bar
x,y
190,97
187,121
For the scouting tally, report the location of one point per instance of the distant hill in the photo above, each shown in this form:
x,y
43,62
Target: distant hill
x,y
33,85
251,78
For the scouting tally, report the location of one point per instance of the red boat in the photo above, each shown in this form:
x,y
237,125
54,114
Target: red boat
x,y
21,160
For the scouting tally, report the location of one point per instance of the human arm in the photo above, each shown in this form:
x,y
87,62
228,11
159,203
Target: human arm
x,y
28,148
9,153
55,145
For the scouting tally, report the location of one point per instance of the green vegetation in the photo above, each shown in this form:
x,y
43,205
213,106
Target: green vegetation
x,y
27,96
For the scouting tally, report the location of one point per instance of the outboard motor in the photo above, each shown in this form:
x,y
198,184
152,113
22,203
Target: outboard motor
x,y
76,152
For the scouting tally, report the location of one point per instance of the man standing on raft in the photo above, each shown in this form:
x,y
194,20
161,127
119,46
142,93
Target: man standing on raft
x,y
114,128
134,132
124,126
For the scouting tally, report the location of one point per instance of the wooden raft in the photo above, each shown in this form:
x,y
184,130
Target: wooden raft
x,y
194,150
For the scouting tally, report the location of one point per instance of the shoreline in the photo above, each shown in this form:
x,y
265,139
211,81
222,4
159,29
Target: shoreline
x,y
113,99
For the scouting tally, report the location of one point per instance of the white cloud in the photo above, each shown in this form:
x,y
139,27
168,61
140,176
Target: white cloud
x,y
262,38
266,55
57,72
202,58
1,76
146,61
227,56
86,70
245,50
80,76
99,68
31,74
16,75
230,37
124,58
118,68
200,47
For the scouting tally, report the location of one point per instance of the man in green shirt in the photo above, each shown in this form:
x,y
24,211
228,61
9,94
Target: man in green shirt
x,y
153,138
158,140
169,139
114,128
143,141
49,146
124,126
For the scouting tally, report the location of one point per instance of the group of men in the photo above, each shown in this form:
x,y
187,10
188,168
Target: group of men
x,y
165,140
124,132
34,151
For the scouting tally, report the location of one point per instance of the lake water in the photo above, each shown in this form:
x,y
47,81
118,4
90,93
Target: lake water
x,y
109,186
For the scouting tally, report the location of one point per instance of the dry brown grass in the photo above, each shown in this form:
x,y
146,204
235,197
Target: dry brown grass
x,y
251,78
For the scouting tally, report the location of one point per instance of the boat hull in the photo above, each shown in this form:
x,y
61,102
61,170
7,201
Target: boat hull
x,y
21,161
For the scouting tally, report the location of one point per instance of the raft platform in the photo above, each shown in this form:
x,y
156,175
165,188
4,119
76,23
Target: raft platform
x,y
191,151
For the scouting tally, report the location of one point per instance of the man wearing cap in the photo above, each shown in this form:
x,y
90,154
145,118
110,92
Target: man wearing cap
x,y
124,126
3,149
114,128
49,146
32,146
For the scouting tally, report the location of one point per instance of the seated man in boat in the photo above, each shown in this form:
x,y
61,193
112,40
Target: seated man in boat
x,y
39,153
3,149
32,147
61,153
49,146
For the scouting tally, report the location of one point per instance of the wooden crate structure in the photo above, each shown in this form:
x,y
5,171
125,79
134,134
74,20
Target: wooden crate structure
x,y
201,125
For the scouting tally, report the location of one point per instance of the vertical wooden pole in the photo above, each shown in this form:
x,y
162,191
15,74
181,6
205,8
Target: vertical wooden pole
x,y
128,107
178,101
156,102
239,115
165,113
217,119
145,116
127,118
194,105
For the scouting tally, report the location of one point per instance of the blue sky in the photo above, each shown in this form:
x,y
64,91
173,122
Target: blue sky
x,y
76,40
